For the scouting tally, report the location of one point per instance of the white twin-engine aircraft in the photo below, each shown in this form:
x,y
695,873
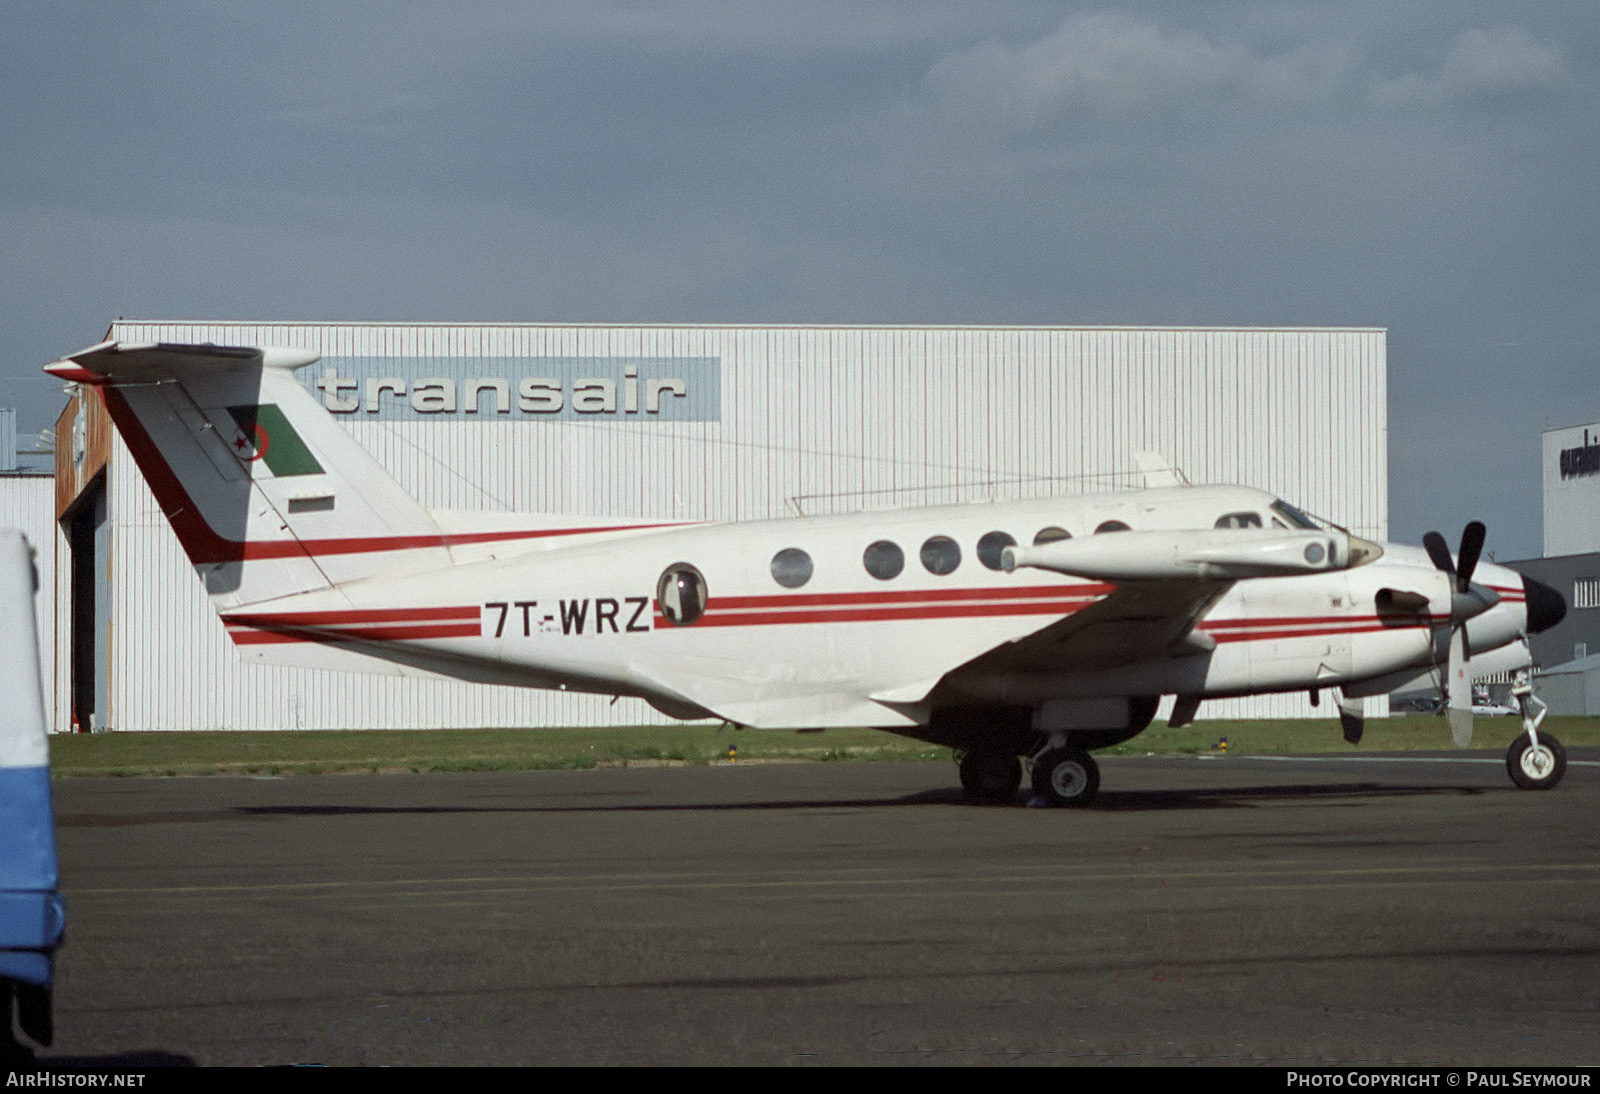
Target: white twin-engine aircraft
x,y
1037,629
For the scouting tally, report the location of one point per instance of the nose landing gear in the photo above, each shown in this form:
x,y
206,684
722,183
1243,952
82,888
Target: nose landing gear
x,y
1536,765
1535,761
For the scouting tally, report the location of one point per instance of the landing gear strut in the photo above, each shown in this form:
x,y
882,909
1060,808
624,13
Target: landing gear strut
x,y
1535,761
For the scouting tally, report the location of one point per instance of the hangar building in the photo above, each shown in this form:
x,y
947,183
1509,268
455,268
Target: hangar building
x,y
731,422
1568,654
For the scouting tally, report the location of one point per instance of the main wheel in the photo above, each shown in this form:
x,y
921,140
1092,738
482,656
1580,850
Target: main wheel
x,y
1066,776
1536,768
990,776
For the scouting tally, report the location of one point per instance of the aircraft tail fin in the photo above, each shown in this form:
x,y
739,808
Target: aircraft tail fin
x,y
31,914
268,495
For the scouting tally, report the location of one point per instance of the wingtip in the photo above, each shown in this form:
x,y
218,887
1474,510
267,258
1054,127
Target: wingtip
x,y
73,372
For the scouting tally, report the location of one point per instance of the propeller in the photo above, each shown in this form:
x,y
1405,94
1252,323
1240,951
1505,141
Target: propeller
x,y
1466,601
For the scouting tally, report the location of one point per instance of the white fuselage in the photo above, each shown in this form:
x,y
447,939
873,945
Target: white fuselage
x,y
846,647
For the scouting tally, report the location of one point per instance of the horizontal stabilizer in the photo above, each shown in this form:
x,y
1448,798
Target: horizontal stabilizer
x,y
126,362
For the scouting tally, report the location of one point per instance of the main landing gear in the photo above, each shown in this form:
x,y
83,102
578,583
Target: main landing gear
x,y
1062,775
1535,761
990,776
1065,776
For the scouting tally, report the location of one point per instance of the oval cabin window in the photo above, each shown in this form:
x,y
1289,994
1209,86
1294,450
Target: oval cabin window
x,y
884,560
990,546
791,567
941,555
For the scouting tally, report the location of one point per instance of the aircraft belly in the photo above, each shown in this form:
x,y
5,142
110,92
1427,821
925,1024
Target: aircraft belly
x,y
815,675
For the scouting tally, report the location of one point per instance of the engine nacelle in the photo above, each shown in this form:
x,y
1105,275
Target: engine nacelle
x,y
1211,555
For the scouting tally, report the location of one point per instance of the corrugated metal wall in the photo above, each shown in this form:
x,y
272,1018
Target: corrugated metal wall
x,y
839,418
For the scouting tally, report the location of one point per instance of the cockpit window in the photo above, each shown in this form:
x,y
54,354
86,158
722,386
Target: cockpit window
x,y
1293,517
1239,520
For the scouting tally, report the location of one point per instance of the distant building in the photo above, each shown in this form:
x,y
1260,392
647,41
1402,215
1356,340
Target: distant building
x,y
1571,482
26,497
1568,655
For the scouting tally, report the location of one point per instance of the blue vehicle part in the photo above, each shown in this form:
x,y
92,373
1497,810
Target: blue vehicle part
x,y
32,918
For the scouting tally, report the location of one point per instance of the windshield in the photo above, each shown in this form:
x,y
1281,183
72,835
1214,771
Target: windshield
x,y
1291,517
1362,551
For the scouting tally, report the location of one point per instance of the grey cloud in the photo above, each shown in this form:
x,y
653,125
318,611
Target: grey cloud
x,y
1119,67
831,161
1501,63
1111,63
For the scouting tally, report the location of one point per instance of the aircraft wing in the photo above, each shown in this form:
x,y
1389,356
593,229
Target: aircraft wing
x,y
1140,621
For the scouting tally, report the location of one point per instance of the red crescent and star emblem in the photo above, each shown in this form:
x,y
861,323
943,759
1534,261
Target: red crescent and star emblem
x,y
251,444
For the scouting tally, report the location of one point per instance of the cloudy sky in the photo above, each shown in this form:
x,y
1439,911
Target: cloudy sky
x,y
1427,167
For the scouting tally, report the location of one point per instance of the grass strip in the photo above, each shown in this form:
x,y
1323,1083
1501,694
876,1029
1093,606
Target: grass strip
x,y
312,752
352,751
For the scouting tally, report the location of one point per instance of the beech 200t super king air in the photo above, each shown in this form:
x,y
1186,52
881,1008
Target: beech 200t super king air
x,y
1031,629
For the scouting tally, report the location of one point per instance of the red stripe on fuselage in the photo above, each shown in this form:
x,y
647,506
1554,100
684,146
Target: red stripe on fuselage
x,y
881,614
887,597
333,618
347,634
1311,626
883,605
1210,625
1262,634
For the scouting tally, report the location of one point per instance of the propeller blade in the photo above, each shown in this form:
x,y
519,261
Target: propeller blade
x,y
1460,690
1458,684
1467,561
1439,551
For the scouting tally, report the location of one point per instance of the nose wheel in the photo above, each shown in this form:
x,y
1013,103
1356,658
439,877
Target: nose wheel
x,y
1535,761
1536,766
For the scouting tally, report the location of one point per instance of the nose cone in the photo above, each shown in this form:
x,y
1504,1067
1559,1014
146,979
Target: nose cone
x,y
1546,608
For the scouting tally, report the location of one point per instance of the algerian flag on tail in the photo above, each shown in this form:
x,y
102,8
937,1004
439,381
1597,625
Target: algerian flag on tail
x,y
264,437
